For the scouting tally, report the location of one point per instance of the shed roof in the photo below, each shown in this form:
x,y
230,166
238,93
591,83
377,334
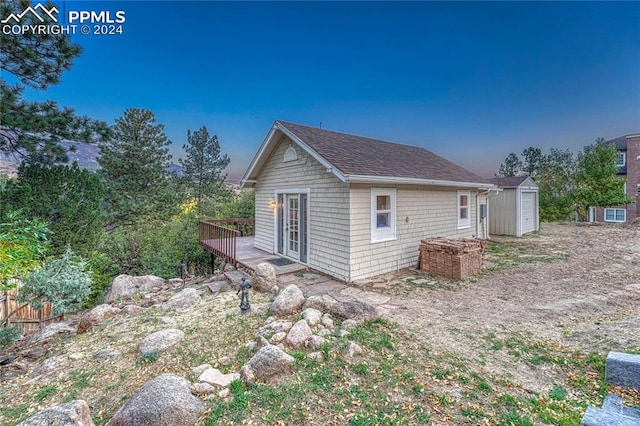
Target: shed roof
x,y
511,181
360,159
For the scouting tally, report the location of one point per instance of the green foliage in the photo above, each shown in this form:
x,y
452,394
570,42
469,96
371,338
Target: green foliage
x,y
32,129
203,166
102,271
23,243
8,335
238,206
66,197
511,167
134,165
63,282
597,183
149,357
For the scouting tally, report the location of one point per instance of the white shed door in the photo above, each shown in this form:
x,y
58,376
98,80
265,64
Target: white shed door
x,y
528,212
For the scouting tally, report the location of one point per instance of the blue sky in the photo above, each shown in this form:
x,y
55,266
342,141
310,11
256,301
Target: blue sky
x,y
470,81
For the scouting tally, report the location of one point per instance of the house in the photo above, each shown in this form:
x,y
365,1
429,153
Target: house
x,y
515,209
354,207
628,162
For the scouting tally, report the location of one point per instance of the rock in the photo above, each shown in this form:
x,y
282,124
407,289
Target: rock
x,y
225,360
623,369
215,377
224,393
298,334
74,413
324,332
277,338
343,333
76,356
327,321
315,356
125,286
106,355
353,349
277,326
197,371
165,400
175,282
289,300
264,277
261,342
166,321
252,346
183,301
51,330
355,310
312,316
315,342
160,341
235,277
95,316
202,389
50,369
246,375
218,286
270,360
132,309
348,324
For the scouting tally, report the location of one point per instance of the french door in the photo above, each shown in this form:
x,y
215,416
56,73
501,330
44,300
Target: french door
x,y
292,225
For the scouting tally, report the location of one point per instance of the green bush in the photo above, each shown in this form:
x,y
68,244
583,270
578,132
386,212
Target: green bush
x,y
9,335
63,282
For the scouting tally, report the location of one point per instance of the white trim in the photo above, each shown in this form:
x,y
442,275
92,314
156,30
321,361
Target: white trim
x,y
388,233
614,215
245,179
624,159
290,154
416,181
463,223
307,192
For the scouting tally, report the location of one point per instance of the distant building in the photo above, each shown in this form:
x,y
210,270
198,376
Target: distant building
x,y
628,162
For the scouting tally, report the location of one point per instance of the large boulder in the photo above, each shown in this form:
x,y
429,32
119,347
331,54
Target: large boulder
x,y
299,333
125,286
214,376
287,301
165,400
95,316
53,330
264,277
182,301
160,341
74,413
270,360
356,310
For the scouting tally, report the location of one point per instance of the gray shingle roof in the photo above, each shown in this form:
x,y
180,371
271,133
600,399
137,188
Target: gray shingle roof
x,y
620,143
361,156
508,182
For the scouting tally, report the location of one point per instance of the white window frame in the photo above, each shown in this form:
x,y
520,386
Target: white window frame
x,y
463,223
624,214
387,233
638,189
624,159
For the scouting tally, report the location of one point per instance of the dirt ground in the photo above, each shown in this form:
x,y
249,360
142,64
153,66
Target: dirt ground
x,y
576,286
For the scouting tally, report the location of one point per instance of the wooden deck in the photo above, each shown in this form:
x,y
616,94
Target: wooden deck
x,y
248,257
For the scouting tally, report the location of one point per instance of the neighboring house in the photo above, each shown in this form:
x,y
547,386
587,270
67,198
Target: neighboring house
x,y
628,162
354,207
515,209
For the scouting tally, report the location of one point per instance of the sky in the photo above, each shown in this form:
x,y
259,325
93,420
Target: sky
x,y
469,81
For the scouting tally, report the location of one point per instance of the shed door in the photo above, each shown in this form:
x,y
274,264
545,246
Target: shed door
x,y
528,212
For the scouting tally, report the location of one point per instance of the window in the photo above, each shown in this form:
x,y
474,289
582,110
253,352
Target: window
x,y
620,159
638,186
615,215
464,209
383,214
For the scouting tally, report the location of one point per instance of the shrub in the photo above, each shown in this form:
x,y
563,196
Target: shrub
x,y
9,335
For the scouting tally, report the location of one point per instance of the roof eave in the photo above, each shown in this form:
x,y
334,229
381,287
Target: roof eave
x,y
416,181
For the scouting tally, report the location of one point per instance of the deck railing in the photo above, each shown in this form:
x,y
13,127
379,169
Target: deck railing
x,y
218,237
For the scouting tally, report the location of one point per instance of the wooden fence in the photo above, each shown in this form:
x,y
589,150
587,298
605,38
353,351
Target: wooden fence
x,y
22,315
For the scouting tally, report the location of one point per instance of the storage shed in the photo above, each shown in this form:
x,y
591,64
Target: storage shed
x,y
514,210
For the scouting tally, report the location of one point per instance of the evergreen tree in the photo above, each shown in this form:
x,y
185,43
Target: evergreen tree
x,y
68,198
32,130
511,166
134,165
203,166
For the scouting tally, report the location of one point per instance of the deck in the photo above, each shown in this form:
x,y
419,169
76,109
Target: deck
x,y
232,240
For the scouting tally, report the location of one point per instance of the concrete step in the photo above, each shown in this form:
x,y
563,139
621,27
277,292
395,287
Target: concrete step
x,y
600,417
235,277
615,404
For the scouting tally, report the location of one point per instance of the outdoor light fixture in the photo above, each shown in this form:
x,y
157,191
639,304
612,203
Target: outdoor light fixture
x,y
273,204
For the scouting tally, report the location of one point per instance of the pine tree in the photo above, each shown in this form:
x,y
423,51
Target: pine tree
x,y
32,130
203,166
134,165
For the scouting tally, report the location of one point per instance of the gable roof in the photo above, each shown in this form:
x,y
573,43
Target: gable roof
x,y
511,181
620,142
359,159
